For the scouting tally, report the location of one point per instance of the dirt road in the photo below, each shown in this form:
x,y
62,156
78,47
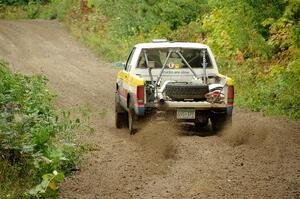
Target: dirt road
x,y
258,158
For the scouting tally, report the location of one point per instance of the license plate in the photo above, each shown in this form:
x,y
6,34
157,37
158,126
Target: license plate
x,y
185,113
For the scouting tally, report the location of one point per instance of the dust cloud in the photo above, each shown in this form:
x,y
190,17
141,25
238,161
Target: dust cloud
x,y
246,129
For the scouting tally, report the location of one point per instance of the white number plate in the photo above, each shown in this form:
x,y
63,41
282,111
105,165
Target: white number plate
x,y
186,114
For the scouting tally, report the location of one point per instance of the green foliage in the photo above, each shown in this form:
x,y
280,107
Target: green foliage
x,y
111,29
148,14
12,12
35,139
39,9
228,32
273,93
50,180
60,8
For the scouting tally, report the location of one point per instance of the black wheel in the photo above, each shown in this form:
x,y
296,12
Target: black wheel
x,y
131,122
120,114
132,119
201,120
220,121
120,120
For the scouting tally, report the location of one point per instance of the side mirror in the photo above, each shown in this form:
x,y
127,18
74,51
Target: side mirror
x,y
151,64
119,65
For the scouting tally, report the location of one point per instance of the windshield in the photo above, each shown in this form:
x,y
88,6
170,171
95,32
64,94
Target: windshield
x,y
157,56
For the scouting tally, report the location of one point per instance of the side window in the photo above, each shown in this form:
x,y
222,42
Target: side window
x,y
128,66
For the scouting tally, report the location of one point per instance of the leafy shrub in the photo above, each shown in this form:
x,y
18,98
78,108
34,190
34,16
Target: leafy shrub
x,y
33,133
148,14
275,92
229,33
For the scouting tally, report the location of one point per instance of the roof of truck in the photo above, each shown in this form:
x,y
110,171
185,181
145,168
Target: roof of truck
x,y
168,44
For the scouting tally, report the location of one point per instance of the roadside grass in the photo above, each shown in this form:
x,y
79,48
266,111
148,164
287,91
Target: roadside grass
x,y
13,12
14,180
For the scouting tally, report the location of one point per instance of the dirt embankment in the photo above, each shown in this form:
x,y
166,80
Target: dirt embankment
x,y
257,158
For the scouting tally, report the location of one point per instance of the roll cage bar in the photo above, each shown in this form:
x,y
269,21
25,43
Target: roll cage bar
x,y
178,52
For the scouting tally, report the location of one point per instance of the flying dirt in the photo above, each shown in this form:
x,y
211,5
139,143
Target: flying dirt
x,y
257,158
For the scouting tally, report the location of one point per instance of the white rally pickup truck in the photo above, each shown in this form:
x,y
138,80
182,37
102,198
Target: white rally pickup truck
x,y
174,77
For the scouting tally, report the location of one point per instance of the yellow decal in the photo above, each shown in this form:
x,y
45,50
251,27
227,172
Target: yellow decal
x,y
131,80
135,81
229,81
123,75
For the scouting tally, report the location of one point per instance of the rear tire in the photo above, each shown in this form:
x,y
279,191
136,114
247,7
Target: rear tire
x,y
132,119
120,114
120,120
220,121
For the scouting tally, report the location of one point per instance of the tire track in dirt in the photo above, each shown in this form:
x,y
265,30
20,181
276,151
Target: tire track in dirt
x,y
257,158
